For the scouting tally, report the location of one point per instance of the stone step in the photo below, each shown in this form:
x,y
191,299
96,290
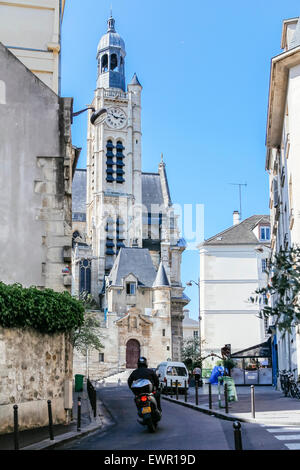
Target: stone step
x,y
121,377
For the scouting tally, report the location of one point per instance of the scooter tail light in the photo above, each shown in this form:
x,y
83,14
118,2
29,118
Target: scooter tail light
x,y
144,398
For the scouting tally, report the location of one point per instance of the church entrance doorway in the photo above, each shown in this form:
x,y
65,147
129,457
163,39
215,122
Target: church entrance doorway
x,y
132,353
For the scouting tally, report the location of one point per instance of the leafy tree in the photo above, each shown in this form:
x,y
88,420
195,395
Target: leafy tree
x,y
282,290
87,335
190,352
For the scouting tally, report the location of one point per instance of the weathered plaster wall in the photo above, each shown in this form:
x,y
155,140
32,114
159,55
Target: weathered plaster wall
x,y
35,179
34,368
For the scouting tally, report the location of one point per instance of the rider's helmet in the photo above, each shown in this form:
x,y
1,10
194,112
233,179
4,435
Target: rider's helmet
x,y
142,362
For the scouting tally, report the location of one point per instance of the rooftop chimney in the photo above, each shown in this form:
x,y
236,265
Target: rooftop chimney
x,y
236,217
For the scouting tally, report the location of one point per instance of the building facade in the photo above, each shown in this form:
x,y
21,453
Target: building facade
x,y
127,246
232,267
31,30
282,164
190,327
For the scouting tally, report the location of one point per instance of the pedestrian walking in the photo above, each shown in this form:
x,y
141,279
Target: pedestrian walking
x,y
197,375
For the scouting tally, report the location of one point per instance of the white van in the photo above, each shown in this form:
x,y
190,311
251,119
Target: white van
x,y
171,371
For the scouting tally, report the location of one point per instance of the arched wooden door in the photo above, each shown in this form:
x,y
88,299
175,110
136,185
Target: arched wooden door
x,y
132,353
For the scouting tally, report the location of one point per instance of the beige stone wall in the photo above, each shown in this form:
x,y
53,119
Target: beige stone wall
x,y
34,368
31,30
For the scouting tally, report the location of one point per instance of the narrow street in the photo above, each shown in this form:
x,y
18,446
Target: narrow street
x,y
180,429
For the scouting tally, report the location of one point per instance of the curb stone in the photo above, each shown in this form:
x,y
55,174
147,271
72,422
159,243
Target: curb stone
x,y
230,417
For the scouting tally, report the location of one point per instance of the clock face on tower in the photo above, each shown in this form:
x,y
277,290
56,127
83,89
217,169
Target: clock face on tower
x,y
116,118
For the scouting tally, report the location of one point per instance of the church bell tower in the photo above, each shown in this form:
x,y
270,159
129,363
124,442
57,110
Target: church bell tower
x,y
114,193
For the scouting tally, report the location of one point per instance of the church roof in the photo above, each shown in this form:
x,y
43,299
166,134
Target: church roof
x,y
161,279
79,192
111,38
135,80
241,233
136,261
151,190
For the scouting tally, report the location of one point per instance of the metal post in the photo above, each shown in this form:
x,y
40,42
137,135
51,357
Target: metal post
x,y
50,421
252,402
237,436
209,396
171,388
226,397
196,392
185,392
79,414
16,427
176,389
95,402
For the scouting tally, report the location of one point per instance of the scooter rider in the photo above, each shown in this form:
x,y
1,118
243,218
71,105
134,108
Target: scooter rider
x,y
142,372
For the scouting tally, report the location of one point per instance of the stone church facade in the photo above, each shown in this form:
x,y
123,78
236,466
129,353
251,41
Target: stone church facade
x,y
126,243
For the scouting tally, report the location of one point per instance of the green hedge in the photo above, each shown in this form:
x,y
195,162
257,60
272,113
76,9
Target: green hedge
x,y
45,310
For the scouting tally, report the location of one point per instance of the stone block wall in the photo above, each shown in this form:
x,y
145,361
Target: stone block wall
x,y
34,368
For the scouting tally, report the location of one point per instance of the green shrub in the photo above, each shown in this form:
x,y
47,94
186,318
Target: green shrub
x,y
44,310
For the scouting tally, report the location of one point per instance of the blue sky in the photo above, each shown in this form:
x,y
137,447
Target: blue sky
x,y
204,68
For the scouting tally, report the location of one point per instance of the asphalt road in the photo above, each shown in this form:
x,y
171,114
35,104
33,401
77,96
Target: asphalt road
x,y
181,428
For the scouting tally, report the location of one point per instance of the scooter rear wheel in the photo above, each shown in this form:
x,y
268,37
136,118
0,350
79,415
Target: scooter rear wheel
x,y
151,426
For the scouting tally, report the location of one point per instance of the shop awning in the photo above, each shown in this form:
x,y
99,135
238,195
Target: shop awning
x,y
260,350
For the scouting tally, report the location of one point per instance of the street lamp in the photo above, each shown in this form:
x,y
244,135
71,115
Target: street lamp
x,y
199,318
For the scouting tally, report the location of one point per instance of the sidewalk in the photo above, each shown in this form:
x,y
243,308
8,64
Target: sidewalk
x,y
38,439
271,406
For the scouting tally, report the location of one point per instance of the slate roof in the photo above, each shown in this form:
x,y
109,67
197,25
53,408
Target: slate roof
x,y
151,190
239,234
187,321
136,261
161,279
135,80
79,191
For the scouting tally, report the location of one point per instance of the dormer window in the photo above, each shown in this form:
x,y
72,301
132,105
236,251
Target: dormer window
x,y
130,288
264,233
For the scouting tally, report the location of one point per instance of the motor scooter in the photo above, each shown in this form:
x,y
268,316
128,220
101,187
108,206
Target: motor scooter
x,y
146,403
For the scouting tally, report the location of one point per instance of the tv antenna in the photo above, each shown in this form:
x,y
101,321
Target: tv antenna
x,y
240,194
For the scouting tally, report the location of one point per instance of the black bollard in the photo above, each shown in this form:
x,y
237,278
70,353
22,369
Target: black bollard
x,y
252,402
196,392
226,397
171,388
95,403
237,435
79,414
209,396
16,428
50,421
176,389
185,392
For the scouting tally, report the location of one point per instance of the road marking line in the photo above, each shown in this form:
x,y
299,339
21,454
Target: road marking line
x,y
291,437
293,446
285,429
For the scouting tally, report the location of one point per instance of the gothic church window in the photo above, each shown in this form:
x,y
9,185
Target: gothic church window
x,y
120,234
85,276
109,161
120,164
110,245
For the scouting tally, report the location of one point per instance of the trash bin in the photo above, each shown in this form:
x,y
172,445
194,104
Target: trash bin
x,y
232,396
79,382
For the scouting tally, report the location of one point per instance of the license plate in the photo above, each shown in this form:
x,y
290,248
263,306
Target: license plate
x,y
147,409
